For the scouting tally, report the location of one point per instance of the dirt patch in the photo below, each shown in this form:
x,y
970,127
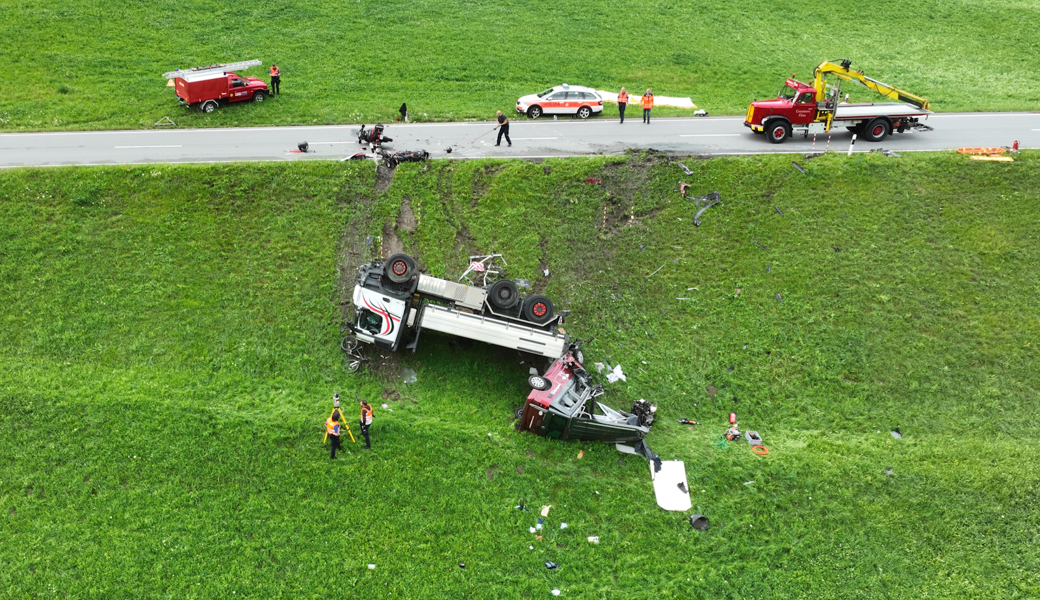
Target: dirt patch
x,y
384,177
712,391
491,473
519,471
406,217
392,243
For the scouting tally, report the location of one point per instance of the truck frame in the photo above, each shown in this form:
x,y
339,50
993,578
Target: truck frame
x,y
393,297
817,108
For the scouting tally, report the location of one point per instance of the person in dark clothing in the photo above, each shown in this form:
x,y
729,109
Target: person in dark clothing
x,y
503,129
366,421
332,430
276,79
622,103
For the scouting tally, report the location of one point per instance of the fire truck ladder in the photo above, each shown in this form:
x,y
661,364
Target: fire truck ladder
x,y
213,69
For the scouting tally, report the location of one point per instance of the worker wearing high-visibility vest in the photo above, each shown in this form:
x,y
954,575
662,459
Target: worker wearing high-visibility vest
x,y
366,420
276,79
333,430
648,103
622,102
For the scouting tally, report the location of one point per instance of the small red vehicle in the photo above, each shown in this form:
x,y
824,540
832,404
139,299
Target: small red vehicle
x,y
206,87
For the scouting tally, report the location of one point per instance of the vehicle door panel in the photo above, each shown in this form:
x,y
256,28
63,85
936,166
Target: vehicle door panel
x,y
804,108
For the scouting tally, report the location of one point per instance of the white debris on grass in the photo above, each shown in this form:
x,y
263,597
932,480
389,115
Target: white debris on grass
x,y
599,367
545,510
616,374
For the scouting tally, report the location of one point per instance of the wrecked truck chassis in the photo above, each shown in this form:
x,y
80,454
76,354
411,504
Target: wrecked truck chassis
x,y
566,408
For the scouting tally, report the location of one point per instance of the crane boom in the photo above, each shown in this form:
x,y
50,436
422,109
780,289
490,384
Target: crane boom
x,y
842,71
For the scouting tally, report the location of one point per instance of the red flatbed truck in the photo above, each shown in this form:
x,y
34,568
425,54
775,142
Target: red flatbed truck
x,y
206,87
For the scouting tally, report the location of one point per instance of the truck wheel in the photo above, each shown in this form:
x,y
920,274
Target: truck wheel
x,y
518,413
259,97
584,112
877,130
538,309
504,294
778,131
537,382
580,357
208,107
534,112
400,268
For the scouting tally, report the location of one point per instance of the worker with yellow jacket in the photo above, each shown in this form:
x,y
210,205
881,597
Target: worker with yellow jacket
x,y
333,428
648,103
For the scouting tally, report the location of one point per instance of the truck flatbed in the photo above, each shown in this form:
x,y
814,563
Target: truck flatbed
x,y
492,331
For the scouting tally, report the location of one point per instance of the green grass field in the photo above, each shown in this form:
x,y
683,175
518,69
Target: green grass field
x,y
170,347
97,64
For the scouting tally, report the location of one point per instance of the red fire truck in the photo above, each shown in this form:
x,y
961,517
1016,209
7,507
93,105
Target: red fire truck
x,y
206,87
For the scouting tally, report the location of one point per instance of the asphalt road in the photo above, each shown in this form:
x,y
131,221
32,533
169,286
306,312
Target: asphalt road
x,y
542,138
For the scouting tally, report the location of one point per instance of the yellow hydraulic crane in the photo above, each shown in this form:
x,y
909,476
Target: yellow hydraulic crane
x,y
842,71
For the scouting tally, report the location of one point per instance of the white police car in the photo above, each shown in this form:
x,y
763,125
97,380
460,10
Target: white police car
x,y
561,100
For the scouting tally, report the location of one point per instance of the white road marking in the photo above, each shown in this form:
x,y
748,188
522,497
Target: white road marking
x,y
552,138
712,135
176,146
329,143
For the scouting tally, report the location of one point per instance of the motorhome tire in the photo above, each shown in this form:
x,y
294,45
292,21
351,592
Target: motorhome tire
x,y
400,268
538,309
537,382
504,294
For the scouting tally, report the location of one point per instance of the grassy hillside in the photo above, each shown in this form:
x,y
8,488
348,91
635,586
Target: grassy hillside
x,y
170,346
96,64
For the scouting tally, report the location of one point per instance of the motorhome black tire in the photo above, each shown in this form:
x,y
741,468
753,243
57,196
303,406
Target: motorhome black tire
x,y
539,309
877,130
537,382
504,294
778,131
259,97
400,268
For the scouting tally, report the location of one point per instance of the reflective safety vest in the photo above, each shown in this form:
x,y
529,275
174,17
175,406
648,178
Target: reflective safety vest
x,y
366,415
331,427
275,72
622,98
648,100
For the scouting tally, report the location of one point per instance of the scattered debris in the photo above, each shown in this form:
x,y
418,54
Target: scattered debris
x,y
531,529
600,366
563,526
621,462
688,422
545,511
682,188
779,211
889,471
616,374
408,375
682,487
896,433
685,169
520,507
798,166
699,522
759,245
592,181
386,405
371,566
392,159
551,565
581,453
655,272
448,149
994,158
555,592
545,272
522,283
594,539
749,482
738,291
710,200
700,112
779,298
889,153
730,369
462,565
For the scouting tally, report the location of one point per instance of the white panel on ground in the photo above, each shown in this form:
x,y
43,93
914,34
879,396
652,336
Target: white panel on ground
x,y
667,488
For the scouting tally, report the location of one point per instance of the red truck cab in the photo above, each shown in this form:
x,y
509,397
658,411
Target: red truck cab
x,y
207,90
795,105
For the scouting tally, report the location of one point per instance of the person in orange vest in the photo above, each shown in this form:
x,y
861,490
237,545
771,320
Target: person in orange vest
x,y
332,431
648,103
366,420
622,102
276,79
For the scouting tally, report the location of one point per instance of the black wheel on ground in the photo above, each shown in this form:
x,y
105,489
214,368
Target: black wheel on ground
x,y
208,107
584,112
539,309
518,413
877,130
537,382
349,343
504,294
778,131
534,112
579,356
259,97
351,364
400,268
